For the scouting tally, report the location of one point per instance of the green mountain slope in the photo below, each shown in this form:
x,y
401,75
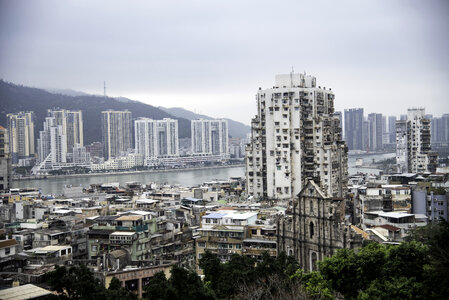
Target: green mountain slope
x,y
15,98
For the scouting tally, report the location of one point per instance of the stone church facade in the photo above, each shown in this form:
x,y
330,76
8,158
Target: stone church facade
x,y
314,227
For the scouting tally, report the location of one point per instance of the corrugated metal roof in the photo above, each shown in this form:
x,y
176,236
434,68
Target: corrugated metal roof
x,y
26,291
129,218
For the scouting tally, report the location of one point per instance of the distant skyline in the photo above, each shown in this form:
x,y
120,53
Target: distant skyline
x,y
211,57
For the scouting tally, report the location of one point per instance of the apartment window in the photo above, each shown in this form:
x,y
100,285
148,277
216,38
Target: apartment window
x,y
238,246
201,244
7,250
94,248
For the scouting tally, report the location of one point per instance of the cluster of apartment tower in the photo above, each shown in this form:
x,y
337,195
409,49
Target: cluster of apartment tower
x,y
297,136
61,140
377,132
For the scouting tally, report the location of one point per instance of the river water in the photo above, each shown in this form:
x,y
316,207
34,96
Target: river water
x,y
54,185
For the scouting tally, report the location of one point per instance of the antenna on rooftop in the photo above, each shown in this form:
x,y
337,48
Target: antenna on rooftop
x,y
291,77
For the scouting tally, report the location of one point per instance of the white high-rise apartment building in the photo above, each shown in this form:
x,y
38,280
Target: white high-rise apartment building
x,y
295,137
414,134
401,146
117,132
209,137
5,161
21,135
156,138
52,143
72,126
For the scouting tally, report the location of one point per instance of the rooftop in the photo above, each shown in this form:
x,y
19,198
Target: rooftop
x,y
127,233
27,291
129,218
8,243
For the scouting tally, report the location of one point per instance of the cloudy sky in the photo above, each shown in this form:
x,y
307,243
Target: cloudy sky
x,y
212,56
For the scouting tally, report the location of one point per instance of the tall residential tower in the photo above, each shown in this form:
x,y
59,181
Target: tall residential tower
x,y
117,132
354,128
72,126
21,136
209,137
413,149
156,138
52,144
295,137
5,161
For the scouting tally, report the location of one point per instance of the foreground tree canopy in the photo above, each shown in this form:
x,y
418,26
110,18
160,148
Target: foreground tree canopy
x,y
415,269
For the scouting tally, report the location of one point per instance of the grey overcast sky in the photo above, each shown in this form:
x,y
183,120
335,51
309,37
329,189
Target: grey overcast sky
x,y
211,56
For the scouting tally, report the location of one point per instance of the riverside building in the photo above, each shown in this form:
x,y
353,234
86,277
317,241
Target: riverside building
x,y
21,136
295,137
72,126
354,128
210,137
156,138
51,147
116,131
5,161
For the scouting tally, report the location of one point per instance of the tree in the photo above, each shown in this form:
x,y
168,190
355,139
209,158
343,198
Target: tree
x,y
115,291
183,284
212,269
75,283
396,288
342,271
436,237
79,283
157,287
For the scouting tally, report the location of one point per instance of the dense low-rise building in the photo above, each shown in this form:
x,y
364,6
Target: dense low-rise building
x,y
222,232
